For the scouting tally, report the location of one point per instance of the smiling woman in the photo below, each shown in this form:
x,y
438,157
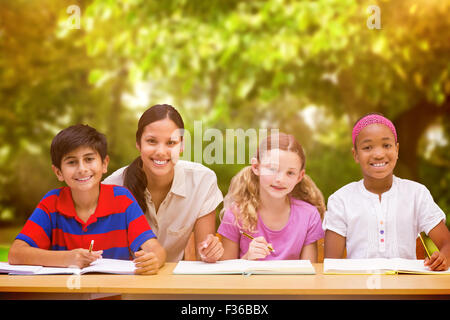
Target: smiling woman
x,y
177,196
160,146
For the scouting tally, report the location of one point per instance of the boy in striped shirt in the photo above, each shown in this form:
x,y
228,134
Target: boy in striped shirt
x,y
66,220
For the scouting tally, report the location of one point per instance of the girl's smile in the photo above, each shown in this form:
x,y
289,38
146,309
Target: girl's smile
x,y
379,164
278,188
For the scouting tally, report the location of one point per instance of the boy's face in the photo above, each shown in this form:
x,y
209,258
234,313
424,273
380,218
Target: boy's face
x,y
82,169
376,151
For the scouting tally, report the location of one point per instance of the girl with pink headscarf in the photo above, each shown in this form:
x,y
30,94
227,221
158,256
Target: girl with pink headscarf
x,y
381,215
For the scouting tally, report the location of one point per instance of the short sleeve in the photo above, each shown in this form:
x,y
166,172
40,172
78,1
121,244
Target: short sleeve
x,y
334,218
228,227
37,231
315,231
139,230
213,195
429,213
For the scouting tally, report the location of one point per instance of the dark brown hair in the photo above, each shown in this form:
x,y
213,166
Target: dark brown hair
x,y
73,137
134,176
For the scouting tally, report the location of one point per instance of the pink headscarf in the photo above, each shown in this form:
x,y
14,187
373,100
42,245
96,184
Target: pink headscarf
x,y
371,119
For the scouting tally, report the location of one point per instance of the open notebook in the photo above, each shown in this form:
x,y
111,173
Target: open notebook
x,y
376,266
114,266
241,266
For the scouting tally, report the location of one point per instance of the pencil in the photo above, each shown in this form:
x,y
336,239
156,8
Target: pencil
x,y
251,238
425,247
91,246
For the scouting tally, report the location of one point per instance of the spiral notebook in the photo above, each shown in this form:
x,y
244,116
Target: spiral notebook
x,y
241,266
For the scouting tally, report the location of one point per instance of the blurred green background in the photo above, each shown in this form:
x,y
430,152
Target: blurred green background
x,y
310,68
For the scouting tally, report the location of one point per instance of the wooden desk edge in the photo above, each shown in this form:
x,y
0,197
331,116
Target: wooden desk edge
x,y
102,283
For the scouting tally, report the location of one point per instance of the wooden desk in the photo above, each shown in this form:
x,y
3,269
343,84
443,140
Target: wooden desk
x,y
165,285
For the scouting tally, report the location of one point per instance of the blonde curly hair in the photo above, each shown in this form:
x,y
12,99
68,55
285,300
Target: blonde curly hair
x,y
243,196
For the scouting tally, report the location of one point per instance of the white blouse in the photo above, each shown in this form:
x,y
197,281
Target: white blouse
x,y
382,229
193,194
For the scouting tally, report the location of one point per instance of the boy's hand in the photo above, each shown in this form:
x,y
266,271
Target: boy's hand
x,y
211,249
82,257
437,262
146,262
258,249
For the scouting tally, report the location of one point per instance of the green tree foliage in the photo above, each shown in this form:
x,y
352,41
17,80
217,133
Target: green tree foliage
x,y
310,68
256,63
43,88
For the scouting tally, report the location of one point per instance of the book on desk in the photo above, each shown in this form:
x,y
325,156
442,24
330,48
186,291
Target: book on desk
x,y
113,266
246,267
377,266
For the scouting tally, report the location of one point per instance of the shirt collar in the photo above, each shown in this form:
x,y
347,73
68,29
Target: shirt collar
x,y
105,206
179,181
388,194
178,186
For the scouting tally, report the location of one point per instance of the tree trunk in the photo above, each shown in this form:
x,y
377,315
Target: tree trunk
x,y
410,126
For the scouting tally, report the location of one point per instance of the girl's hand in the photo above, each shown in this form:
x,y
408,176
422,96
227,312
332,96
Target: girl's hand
x,y
146,262
211,249
258,249
82,257
437,262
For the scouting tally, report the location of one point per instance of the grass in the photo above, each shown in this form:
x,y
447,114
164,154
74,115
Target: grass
x,y
4,253
7,236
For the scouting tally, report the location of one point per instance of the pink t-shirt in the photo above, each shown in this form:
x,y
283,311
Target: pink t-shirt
x,y
303,227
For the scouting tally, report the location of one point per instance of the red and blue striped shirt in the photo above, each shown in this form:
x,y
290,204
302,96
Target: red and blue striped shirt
x,y
117,226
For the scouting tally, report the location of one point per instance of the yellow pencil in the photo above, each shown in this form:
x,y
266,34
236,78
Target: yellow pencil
x,y
251,238
426,249
91,246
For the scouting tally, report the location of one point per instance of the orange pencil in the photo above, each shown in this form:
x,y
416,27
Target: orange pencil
x,y
91,246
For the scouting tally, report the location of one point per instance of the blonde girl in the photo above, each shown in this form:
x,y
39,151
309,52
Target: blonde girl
x,y
275,203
